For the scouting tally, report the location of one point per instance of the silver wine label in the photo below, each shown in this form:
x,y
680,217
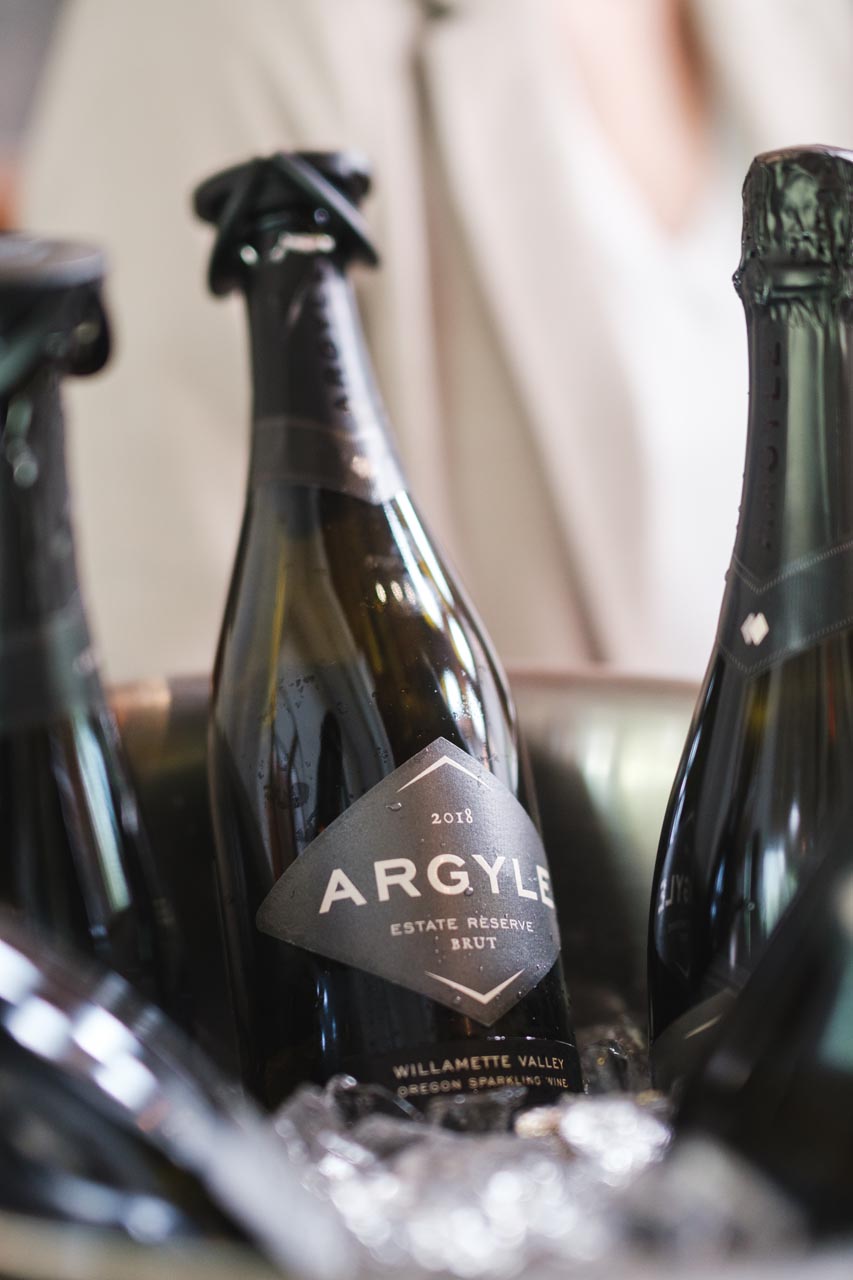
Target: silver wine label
x,y
436,880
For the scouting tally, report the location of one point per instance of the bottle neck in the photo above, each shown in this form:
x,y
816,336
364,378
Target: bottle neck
x,y
318,418
798,480
38,569
790,583
46,663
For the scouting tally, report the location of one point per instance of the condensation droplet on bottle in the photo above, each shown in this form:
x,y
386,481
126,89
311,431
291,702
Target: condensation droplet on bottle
x,y
25,470
61,544
19,415
395,807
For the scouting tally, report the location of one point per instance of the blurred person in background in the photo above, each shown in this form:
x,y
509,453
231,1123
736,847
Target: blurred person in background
x,y
557,204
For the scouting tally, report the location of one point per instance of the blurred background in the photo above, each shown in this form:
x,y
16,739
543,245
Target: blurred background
x,y
557,204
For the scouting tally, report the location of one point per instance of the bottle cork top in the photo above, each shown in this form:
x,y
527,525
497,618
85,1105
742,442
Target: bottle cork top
x,y
320,189
279,187
797,214
32,263
51,309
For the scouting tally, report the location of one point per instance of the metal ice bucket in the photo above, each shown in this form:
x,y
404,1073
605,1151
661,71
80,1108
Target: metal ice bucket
x,y
604,750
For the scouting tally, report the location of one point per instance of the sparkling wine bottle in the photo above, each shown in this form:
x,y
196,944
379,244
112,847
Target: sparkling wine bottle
x,y
384,888
74,860
770,750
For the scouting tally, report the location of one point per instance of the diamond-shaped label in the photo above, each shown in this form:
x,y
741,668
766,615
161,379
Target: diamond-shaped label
x,y
436,880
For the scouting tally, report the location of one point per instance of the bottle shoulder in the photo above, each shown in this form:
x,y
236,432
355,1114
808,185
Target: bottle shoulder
x,y
328,579
347,649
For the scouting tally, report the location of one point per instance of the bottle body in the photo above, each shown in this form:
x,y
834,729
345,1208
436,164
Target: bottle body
x,y
75,864
778,1084
359,685
361,736
75,861
91,1171
770,748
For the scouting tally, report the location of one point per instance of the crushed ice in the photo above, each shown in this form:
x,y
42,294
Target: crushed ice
x,y
477,1186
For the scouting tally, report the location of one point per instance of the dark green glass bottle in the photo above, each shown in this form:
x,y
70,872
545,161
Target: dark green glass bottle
x,y
770,752
384,889
777,1086
74,860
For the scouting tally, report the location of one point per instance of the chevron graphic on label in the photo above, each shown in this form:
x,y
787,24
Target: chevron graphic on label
x,y
439,764
469,991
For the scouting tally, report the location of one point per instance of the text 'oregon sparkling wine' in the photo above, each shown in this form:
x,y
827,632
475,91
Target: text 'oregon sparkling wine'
x,y
384,888
769,755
